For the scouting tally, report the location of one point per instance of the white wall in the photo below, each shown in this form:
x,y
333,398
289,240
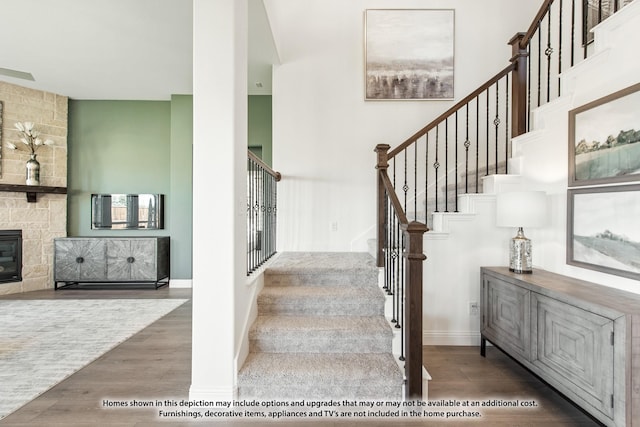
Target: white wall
x,y
324,132
544,153
541,157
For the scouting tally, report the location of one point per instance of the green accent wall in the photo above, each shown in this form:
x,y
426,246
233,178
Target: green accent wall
x,y
181,186
260,127
129,147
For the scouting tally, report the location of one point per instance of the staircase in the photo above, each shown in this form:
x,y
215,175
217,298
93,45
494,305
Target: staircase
x,y
321,332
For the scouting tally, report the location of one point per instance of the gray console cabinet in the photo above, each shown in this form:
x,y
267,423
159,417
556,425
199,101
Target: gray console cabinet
x,y
111,259
581,338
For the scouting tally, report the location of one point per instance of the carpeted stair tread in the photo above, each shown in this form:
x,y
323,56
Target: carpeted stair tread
x,y
305,262
321,300
322,268
321,334
313,375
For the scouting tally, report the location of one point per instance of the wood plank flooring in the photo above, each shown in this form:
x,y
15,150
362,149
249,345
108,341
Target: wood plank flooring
x,y
155,365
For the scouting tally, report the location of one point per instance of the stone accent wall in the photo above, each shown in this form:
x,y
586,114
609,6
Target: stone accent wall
x,y
45,219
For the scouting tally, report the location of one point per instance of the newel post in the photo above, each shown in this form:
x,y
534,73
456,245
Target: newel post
x,y
382,165
520,57
414,256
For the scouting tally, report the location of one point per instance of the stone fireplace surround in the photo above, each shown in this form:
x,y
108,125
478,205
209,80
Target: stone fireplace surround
x,y
46,218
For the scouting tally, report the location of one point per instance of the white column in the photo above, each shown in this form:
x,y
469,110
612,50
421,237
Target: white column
x,y
219,187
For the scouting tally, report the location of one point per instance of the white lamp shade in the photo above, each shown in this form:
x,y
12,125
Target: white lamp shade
x,y
521,209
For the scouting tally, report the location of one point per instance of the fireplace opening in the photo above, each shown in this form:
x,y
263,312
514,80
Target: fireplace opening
x,y
10,256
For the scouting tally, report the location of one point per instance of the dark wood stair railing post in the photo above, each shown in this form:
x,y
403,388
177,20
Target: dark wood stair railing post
x,y
382,165
414,255
519,56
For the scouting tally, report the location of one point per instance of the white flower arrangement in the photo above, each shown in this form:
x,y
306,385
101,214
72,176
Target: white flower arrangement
x,y
30,137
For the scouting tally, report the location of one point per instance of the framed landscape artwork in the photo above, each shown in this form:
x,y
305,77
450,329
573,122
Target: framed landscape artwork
x,y
602,229
409,54
604,139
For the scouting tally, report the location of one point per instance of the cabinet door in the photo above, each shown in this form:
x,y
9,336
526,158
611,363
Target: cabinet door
x,y
505,315
574,348
79,260
131,259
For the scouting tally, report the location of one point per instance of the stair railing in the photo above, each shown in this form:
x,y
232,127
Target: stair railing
x,y
261,212
449,156
402,256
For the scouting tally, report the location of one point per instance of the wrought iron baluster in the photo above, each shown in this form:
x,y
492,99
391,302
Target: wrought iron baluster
x,y
263,216
539,63
529,87
405,187
398,261
496,123
266,239
415,180
506,126
275,216
256,210
436,165
599,11
248,213
253,225
467,144
486,170
456,163
426,177
402,293
559,45
477,140
387,244
585,33
573,31
394,259
446,165
548,52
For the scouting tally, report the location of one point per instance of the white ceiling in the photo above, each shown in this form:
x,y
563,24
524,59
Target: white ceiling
x,y
115,49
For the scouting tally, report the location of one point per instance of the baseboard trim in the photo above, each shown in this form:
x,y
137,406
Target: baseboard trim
x,y
181,283
462,338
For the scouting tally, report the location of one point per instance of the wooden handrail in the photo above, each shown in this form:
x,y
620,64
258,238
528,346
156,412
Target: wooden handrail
x,y
509,68
264,166
534,25
391,192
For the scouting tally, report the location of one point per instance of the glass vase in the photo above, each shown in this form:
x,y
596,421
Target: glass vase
x,y
33,171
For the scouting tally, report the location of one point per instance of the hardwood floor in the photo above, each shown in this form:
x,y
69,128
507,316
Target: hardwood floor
x,y
155,365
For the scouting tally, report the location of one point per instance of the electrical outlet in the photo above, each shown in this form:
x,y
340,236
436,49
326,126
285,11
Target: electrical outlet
x,y
474,308
334,226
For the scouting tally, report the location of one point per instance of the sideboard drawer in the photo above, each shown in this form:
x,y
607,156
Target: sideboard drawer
x,y
79,260
575,348
506,316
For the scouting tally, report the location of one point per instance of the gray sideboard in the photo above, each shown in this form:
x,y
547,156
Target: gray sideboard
x,y
581,338
111,260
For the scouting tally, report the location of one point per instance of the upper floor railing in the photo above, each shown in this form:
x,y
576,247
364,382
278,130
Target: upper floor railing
x,y
262,211
448,157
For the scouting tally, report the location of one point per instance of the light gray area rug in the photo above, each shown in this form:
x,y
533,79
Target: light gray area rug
x,y
42,342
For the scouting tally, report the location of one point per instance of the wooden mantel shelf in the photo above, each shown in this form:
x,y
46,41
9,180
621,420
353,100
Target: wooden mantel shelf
x,y
32,190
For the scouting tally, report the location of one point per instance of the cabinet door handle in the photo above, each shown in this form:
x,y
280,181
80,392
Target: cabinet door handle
x,y
131,260
79,260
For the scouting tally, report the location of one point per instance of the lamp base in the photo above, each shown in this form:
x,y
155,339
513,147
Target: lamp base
x,y
520,254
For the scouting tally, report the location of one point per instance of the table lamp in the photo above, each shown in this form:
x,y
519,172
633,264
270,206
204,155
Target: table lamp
x,y
521,209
